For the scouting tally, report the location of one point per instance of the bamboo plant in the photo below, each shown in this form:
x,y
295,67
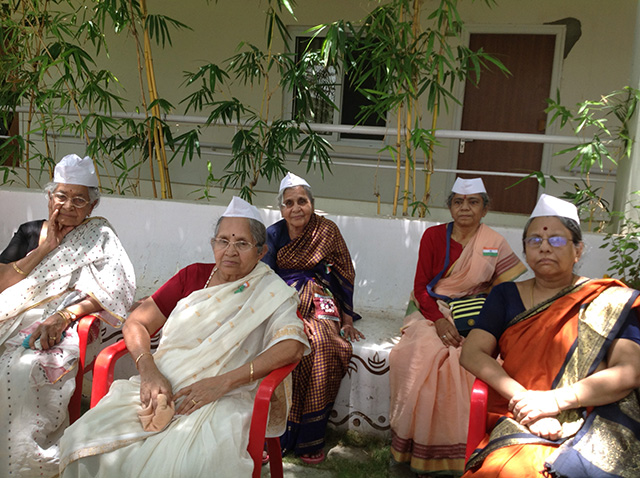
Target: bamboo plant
x,y
50,76
414,64
414,57
265,138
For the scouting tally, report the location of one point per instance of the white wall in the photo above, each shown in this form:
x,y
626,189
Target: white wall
x,y
163,236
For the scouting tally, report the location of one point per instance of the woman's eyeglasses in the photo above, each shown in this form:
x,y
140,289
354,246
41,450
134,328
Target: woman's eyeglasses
x,y
76,201
223,244
554,241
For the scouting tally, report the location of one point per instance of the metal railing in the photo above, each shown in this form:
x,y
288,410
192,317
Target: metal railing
x,y
338,158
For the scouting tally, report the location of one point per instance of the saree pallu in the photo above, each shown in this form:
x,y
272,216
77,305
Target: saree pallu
x,y
36,385
210,332
554,345
430,395
430,391
318,259
486,261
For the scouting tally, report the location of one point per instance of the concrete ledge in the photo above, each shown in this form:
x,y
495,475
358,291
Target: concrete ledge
x,y
163,236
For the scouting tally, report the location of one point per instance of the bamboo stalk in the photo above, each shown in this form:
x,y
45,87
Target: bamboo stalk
x,y
70,91
136,37
428,165
161,155
416,33
434,122
398,160
264,105
408,162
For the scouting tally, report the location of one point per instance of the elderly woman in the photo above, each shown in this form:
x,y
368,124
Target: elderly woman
x,y
429,389
53,272
225,326
309,253
566,396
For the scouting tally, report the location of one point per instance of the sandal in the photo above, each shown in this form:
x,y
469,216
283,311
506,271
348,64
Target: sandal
x,y
313,459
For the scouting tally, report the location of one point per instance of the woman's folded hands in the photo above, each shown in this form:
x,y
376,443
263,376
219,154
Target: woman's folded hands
x,y
547,427
531,405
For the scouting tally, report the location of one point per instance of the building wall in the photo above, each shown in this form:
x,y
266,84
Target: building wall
x,y
599,63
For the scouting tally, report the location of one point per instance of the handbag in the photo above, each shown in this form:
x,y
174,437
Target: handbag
x,y
465,310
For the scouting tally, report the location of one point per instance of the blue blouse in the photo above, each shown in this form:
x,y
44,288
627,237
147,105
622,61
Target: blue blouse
x,y
504,303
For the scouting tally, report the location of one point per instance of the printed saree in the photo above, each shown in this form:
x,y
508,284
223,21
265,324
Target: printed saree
x,y
553,345
430,391
211,331
317,260
35,385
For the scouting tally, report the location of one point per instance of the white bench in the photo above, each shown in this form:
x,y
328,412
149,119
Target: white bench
x,y
362,403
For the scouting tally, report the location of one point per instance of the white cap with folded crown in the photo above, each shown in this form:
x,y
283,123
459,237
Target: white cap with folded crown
x,y
72,169
238,207
552,206
468,186
290,181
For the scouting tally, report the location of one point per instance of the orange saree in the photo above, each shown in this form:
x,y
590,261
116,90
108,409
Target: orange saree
x,y
556,344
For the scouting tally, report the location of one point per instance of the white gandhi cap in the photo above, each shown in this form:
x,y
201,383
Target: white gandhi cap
x,y
468,186
290,181
238,207
72,169
553,206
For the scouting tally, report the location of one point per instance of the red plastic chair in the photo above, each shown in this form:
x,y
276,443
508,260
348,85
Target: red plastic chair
x,y
477,416
103,378
85,324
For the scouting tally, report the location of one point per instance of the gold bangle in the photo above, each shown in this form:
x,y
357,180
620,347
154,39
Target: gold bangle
x,y
555,397
18,270
141,355
71,317
65,316
251,372
575,394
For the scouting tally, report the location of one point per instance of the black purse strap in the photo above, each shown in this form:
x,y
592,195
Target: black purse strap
x,y
439,275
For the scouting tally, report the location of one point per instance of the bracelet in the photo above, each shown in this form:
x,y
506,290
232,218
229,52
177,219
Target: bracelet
x,y
142,355
575,394
251,372
555,397
18,270
62,313
68,316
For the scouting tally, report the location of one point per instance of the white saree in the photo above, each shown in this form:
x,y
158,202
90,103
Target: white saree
x,y
35,385
211,331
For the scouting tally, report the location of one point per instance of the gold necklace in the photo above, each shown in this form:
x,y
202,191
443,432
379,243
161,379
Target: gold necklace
x,y
211,276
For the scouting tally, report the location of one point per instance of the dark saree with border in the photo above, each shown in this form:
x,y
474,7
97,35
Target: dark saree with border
x,y
318,260
553,345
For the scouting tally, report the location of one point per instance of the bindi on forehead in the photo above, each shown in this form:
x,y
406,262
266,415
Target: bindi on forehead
x,y
545,228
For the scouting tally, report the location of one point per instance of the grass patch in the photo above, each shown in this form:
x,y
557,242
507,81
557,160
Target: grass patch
x,y
369,458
